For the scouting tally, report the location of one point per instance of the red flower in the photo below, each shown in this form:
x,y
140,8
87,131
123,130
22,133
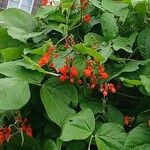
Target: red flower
x,y
84,4
29,131
64,69
105,93
87,18
62,77
44,2
104,75
7,132
101,88
45,58
2,138
73,71
112,88
88,72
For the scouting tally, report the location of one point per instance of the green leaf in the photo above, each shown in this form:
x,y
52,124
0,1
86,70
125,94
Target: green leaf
x,y
96,107
143,117
131,67
93,39
10,54
48,145
57,110
110,136
140,6
110,30
124,43
80,63
12,69
20,22
86,50
138,138
130,82
118,8
143,43
106,51
14,93
30,64
78,127
29,143
114,115
43,12
62,90
7,41
146,83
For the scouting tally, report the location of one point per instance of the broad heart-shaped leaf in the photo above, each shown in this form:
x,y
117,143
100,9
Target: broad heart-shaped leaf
x,y
20,22
14,93
12,69
124,43
138,138
110,30
28,144
54,105
86,50
143,43
110,136
62,91
146,82
118,8
78,127
114,115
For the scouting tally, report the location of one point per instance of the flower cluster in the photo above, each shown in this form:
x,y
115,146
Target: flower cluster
x,y
20,125
89,73
26,127
67,72
106,88
45,58
5,133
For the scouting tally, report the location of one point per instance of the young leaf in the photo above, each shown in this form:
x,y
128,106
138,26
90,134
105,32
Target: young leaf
x,y
78,127
14,93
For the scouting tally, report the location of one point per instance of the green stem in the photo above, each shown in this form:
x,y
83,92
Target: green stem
x,y
89,146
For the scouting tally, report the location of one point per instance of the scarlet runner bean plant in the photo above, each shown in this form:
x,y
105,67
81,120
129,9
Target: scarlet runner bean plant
x,y
76,76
